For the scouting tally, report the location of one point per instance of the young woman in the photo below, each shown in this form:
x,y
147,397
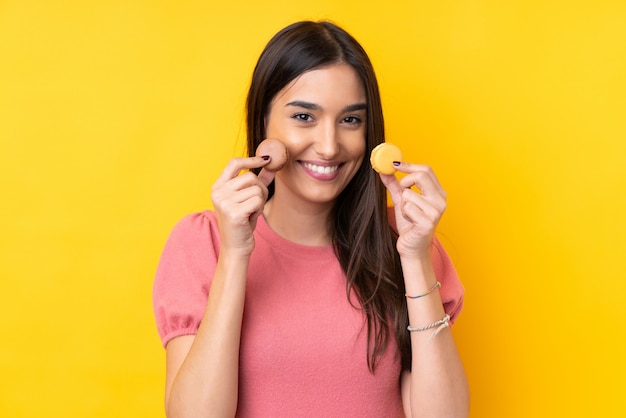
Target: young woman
x,y
293,297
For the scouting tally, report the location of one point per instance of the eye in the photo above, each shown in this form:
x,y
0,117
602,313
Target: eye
x,y
352,120
303,117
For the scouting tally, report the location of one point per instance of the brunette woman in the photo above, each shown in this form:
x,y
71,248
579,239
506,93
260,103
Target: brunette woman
x,y
301,294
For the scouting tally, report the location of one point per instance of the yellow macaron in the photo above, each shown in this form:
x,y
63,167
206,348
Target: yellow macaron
x,y
383,156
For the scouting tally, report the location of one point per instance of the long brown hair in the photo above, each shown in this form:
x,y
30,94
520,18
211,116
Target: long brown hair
x,y
363,240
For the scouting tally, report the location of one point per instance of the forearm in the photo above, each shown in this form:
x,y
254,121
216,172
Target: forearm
x,y
207,382
438,385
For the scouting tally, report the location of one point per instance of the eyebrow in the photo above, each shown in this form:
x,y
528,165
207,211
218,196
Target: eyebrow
x,y
313,106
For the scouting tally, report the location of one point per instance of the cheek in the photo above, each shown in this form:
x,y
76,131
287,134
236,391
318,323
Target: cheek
x,y
357,146
284,131
274,126
296,140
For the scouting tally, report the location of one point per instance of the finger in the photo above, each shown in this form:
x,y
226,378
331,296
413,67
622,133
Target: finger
x,y
241,206
436,201
409,168
413,214
247,193
418,209
238,189
236,165
395,189
266,176
422,177
242,181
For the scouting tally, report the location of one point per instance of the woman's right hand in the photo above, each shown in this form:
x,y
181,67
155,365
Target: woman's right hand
x,y
238,199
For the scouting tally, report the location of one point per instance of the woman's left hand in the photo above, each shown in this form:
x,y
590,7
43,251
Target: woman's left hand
x,y
419,202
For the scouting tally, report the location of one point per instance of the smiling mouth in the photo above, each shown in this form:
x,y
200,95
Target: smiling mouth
x,y
321,169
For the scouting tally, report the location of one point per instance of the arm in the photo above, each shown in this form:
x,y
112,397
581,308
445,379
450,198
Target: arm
x,y
437,385
202,370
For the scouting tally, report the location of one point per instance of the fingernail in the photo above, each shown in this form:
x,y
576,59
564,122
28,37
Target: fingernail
x,y
396,163
265,157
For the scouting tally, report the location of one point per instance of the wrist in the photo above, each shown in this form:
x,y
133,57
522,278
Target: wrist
x,y
234,259
418,253
419,274
416,259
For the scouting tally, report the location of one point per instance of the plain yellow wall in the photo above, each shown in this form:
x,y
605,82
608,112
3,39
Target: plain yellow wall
x,y
117,116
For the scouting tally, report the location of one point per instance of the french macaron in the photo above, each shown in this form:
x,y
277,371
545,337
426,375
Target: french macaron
x,y
276,150
383,156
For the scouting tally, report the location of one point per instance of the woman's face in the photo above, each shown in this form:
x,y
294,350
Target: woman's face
x,y
321,118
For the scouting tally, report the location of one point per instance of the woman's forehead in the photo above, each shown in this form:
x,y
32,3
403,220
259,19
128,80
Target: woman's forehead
x,y
336,85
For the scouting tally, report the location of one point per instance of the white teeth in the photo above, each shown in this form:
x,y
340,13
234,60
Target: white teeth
x,y
320,169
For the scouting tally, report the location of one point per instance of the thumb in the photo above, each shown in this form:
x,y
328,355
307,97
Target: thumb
x,y
393,186
266,176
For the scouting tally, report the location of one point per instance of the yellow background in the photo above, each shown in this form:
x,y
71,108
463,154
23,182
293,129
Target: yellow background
x,y
117,116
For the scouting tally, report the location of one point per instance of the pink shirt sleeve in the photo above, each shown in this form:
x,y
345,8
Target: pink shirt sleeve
x,y
184,274
452,290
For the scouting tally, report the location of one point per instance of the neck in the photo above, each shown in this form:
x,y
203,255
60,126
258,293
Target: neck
x,y
301,225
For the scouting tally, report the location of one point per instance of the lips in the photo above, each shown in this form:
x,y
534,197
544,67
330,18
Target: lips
x,y
321,169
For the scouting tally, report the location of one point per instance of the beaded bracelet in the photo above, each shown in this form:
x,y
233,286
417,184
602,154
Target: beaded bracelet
x,y
431,290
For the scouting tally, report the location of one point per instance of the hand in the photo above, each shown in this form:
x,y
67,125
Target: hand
x,y
238,199
419,203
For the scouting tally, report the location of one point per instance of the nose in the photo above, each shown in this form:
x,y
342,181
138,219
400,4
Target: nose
x,y
327,142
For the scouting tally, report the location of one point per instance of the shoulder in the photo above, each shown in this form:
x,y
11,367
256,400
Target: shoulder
x,y
192,244
184,273
199,228
195,223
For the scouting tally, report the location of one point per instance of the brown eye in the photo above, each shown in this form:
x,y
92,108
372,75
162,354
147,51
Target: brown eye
x,y
352,120
304,117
